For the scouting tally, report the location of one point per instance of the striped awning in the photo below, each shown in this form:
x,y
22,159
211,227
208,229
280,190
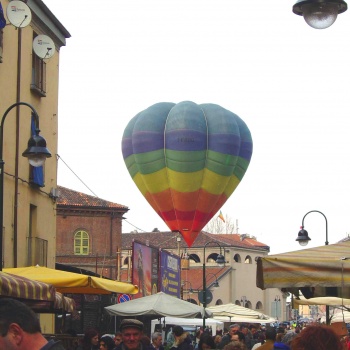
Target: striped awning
x,y
64,303
324,270
24,288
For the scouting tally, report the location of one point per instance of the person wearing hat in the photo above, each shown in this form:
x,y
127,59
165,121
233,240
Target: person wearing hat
x,y
182,339
132,331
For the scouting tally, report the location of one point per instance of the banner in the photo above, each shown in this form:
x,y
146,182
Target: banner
x,y
170,272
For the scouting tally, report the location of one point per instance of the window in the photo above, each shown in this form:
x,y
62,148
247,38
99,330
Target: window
x,y
37,248
38,76
248,260
81,243
38,84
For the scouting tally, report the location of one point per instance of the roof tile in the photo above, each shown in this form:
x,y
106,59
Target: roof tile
x,y
68,197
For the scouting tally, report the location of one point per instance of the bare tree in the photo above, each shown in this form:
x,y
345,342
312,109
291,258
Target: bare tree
x,y
216,225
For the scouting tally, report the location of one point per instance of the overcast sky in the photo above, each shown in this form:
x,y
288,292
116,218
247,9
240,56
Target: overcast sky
x,y
287,81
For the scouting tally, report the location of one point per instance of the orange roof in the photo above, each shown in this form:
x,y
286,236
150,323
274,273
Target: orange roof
x,y
68,197
167,240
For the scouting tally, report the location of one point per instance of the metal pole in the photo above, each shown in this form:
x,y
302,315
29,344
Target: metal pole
x,y
326,243
204,288
35,114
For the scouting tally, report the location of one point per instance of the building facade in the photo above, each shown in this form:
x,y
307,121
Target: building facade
x,y
29,226
236,280
88,232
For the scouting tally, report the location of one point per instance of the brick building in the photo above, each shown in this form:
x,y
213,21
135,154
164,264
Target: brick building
x,y
88,232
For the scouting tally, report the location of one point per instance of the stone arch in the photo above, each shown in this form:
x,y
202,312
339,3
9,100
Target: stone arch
x,y
237,258
195,258
248,259
259,305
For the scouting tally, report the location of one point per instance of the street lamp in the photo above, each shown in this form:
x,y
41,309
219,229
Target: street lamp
x,y
303,239
319,14
216,283
36,154
220,260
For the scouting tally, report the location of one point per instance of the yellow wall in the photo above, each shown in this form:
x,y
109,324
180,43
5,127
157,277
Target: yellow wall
x,y
15,82
12,90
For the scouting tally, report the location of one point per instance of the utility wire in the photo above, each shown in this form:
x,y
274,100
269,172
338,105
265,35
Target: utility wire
x,y
60,158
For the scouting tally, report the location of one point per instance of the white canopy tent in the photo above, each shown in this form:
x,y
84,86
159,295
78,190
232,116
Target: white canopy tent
x,y
235,313
160,304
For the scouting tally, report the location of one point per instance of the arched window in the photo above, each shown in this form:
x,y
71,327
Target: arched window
x,y
248,260
81,243
195,258
212,257
126,261
193,301
237,258
248,304
259,305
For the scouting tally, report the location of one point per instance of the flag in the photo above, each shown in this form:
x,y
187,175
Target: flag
x,y
2,18
221,216
37,172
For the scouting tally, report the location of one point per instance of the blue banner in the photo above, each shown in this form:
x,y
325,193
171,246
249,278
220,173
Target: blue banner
x,y
170,273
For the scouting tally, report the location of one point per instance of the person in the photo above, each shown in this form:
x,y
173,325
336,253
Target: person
x,y
239,336
117,338
20,328
235,345
259,338
106,343
132,331
280,346
227,338
288,338
90,340
182,339
270,335
170,338
206,342
157,341
317,337
217,339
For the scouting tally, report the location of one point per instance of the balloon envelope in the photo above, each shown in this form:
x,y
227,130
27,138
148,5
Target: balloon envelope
x,y
186,159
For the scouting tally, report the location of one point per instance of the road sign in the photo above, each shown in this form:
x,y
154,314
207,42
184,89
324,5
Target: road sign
x,y
123,297
208,296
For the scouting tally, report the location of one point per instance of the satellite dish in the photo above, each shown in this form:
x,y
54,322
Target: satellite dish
x,y
18,13
43,46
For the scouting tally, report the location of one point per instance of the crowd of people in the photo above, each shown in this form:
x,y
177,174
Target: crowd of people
x,y
20,330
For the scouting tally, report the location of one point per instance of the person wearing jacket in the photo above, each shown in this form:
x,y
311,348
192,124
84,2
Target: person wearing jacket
x,y
182,339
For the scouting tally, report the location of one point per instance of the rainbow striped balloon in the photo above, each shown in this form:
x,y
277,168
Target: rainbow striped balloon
x,y
186,159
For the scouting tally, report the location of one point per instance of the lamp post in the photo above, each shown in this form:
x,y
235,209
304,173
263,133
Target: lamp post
x,y
36,154
319,14
303,239
220,260
277,300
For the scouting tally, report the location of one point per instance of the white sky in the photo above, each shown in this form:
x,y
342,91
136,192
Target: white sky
x,y
287,81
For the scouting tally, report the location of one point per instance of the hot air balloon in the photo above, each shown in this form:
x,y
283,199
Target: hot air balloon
x,y
186,159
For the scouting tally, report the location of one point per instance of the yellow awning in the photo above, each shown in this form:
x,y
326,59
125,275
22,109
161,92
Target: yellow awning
x,y
69,282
